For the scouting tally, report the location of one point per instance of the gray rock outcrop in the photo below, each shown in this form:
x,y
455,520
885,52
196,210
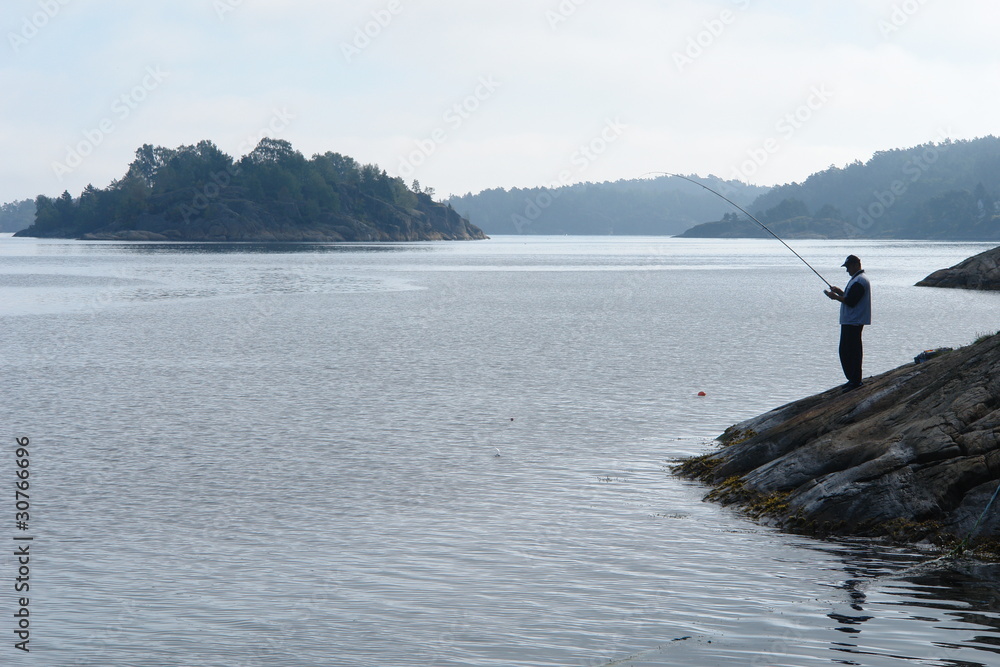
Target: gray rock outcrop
x,y
913,454
981,272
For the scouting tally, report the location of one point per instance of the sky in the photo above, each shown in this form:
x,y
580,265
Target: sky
x,y
463,96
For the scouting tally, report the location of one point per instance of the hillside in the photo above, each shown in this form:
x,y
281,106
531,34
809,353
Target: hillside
x,y
198,193
17,215
656,206
945,191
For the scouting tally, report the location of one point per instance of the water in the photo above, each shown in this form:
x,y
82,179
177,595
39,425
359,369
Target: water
x,y
249,455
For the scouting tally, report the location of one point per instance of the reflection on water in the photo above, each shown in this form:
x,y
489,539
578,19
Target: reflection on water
x,y
967,594
43,280
957,601
92,276
283,247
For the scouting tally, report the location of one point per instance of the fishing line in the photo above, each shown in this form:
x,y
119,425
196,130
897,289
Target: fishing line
x,y
960,549
763,226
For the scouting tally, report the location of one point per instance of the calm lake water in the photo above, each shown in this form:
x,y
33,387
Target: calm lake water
x,y
247,455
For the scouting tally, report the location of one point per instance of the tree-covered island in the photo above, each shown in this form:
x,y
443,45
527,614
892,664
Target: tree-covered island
x,y
199,193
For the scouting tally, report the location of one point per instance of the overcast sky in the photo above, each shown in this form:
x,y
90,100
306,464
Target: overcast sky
x,y
466,95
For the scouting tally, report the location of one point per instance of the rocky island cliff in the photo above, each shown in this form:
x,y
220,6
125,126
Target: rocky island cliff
x,y
198,193
980,272
914,454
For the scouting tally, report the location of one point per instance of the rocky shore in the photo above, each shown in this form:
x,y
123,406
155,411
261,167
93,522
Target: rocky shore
x,y
980,272
912,455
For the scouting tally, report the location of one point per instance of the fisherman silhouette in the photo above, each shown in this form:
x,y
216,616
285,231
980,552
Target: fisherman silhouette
x,y
855,312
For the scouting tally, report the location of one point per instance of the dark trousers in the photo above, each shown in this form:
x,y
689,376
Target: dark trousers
x,y
851,351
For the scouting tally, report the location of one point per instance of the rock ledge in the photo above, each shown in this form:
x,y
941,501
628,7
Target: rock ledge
x,y
912,455
980,272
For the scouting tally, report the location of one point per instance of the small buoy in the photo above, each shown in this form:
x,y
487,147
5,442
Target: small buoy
x,y
498,452
701,393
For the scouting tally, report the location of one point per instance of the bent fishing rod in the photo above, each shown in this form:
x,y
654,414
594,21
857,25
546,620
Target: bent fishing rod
x,y
746,212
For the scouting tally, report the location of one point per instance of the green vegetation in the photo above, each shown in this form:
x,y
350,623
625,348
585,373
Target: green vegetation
x,y
948,191
656,206
16,216
734,436
730,490
982,337
701,468
272,194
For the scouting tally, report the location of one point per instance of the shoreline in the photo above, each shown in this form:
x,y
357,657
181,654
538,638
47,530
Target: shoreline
x,y
912,456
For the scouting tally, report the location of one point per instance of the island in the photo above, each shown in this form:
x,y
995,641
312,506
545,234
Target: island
x,y
199,193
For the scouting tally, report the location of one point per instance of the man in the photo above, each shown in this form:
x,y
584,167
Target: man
x,y
855,312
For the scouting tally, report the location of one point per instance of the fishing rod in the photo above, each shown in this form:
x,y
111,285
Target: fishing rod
x,y
763,226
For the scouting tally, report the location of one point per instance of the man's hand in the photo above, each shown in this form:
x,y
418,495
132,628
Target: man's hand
x,y
834,293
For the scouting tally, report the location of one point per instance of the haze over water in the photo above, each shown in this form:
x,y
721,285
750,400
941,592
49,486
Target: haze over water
x,y
287,454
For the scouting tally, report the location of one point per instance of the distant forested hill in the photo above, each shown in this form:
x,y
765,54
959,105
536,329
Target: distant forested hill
x,y
198,193
17,215
662,205
945,191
